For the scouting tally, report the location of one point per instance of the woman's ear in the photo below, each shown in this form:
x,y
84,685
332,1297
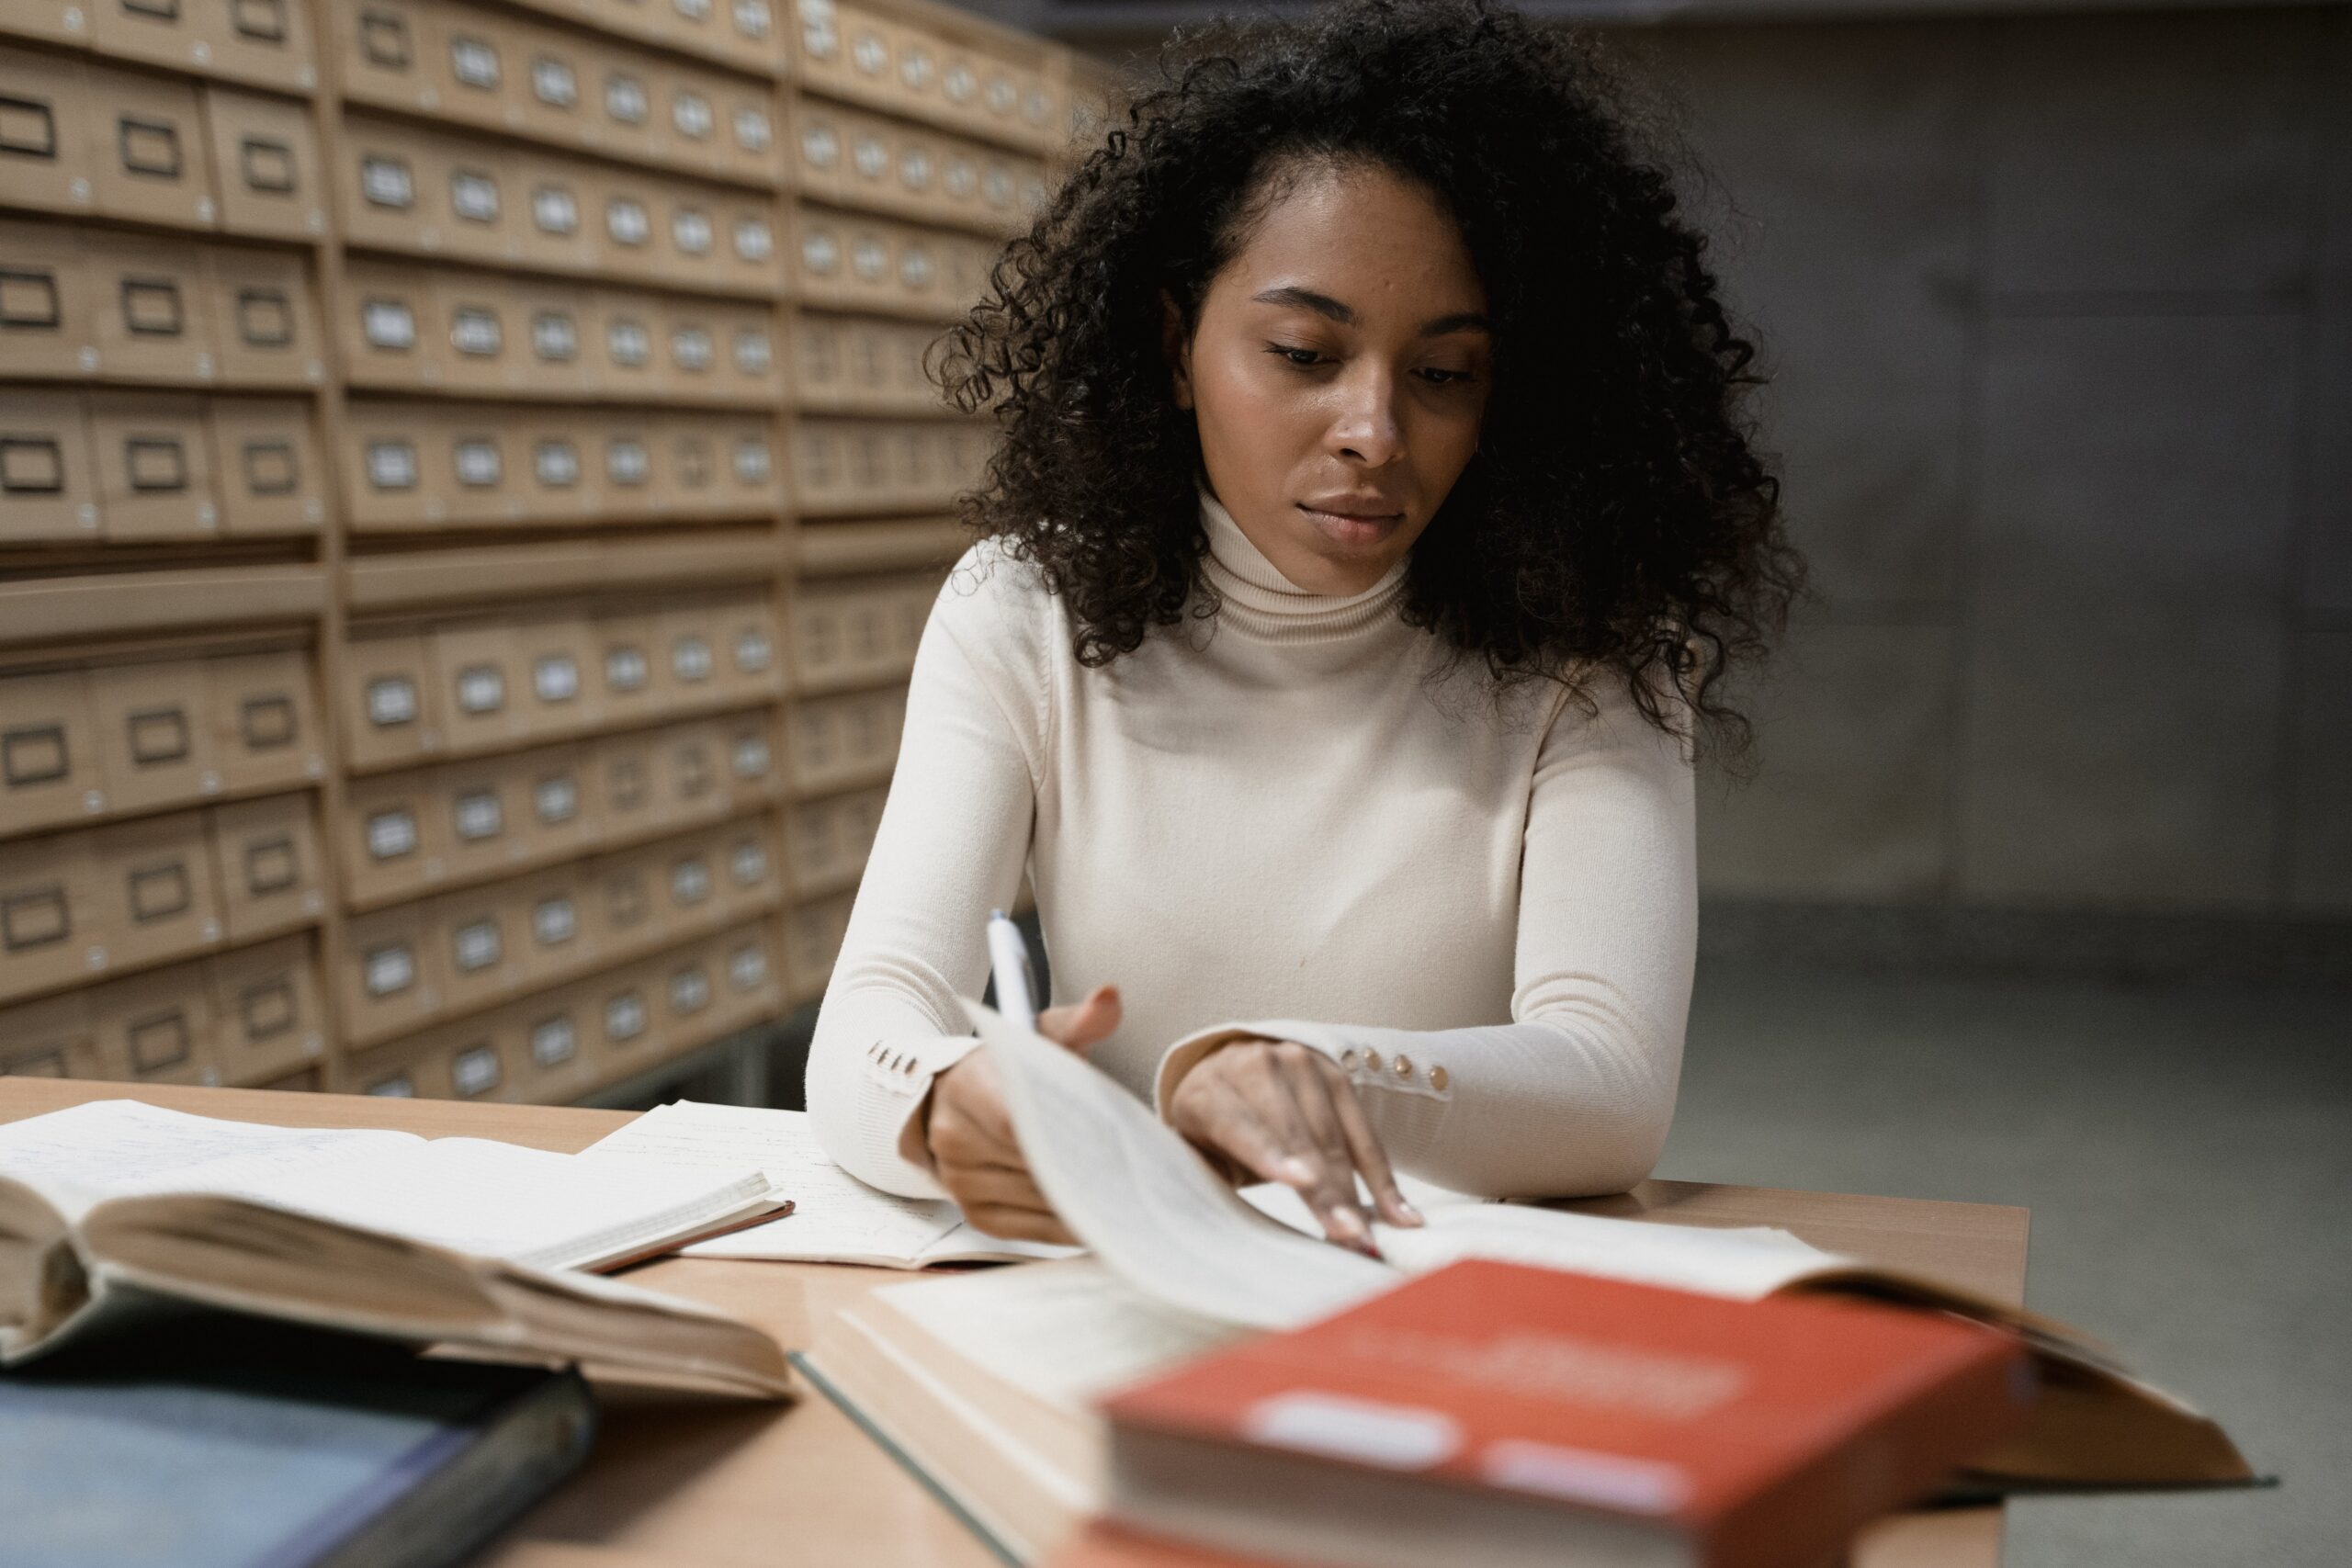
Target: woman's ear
x,y
1176,348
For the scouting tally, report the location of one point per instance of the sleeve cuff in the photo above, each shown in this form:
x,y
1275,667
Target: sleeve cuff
x,y
904,1072
1194,1048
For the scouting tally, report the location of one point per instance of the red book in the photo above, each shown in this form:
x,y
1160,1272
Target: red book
x,y
1493,1414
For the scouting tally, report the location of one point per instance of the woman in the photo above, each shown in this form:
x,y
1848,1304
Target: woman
x,y
1371,520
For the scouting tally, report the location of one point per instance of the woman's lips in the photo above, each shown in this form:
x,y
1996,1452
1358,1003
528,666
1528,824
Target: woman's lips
x,y
1352,528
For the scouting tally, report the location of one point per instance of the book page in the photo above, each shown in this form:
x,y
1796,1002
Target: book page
x,y
101,1149
493,1199
1148,1205
966,1245
835,1215
1745,1263
1068,1332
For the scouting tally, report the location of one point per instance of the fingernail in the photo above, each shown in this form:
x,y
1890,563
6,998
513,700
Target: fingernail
x,y
1350,1223
1412,1215
1295,1169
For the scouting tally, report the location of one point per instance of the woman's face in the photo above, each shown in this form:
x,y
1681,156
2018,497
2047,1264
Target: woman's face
x,y
1338,371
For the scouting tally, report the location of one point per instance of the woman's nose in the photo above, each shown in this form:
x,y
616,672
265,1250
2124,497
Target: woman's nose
x,y
1366,427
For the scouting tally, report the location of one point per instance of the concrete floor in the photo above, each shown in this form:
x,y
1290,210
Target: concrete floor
x,y
2186,1153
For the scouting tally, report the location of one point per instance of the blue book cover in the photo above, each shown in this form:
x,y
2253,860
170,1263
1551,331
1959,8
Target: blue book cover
x,y
208,1441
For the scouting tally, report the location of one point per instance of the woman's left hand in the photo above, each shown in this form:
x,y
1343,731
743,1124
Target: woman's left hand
x,y
1282,1112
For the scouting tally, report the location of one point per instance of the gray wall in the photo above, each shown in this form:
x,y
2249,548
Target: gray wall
x,y
2060,317
2059,311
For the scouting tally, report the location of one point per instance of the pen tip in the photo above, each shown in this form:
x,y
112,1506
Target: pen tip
x,y
996,914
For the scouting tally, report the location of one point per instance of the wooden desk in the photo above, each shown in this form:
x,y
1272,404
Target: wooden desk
x,y
679,1480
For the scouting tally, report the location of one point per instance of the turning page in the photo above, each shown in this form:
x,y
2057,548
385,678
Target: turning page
x,y
1148,1205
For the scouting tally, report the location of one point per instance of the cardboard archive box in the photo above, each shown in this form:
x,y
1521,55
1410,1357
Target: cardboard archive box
x,y
155,889
265,720
272,1019
268,861
154,466
49,772
267,162
47,320
48,485
267,466
156,743
266,43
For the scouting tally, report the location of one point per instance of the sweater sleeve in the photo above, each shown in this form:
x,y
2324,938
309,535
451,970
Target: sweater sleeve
x,y
1573,1096
953,839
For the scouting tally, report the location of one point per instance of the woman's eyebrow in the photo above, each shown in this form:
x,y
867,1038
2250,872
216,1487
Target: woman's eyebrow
x,y
1292,296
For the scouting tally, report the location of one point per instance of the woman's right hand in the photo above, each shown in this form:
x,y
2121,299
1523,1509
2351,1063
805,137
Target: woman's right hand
x,y
969,1129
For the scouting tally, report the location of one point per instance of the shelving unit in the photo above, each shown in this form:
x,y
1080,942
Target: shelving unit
x,y
469,498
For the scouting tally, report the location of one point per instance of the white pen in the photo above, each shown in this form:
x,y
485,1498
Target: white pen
x,y
1016,989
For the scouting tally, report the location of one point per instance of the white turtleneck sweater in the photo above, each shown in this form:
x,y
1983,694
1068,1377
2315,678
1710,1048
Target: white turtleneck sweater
x,y
1273,824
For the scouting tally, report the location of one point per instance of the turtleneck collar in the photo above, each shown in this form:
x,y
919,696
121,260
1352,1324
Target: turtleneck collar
x,y
1258,597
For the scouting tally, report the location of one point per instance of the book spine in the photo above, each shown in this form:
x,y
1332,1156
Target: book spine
x,y
1802,1519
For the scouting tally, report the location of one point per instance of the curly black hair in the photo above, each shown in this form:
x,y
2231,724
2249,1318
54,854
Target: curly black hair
x,y
1616,516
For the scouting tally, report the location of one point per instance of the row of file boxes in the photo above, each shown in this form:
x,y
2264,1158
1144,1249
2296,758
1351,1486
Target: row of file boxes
x,y
812,941
745,35
407,834
420,328
77,745
142,466
851,262
560,1043
843,742
426,467
471,66
89,139
266,43
91,304
406,967
412,190
849,52
845,362
826,841
76,906
859,632
863,465
851,158
487,685
245,1017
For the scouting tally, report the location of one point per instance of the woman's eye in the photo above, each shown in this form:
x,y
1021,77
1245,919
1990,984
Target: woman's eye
x,y
1303,356
1449,377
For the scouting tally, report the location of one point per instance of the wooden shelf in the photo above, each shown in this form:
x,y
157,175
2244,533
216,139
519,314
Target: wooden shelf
x,y
165,808
44,609
834,549
430,579
660,283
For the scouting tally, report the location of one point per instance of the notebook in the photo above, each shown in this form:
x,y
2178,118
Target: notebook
x,y
835,1217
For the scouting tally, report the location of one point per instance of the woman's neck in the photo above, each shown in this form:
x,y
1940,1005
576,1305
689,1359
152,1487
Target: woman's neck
x,y
1261,602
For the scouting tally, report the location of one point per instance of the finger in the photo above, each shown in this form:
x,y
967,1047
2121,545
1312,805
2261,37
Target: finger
x,y
1318,1114
1261,1126
1018,1224
1085,1022
1364,1146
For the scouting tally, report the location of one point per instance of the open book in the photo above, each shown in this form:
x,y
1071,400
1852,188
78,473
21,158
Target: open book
x,y
113,1208
835,1217
986,1384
